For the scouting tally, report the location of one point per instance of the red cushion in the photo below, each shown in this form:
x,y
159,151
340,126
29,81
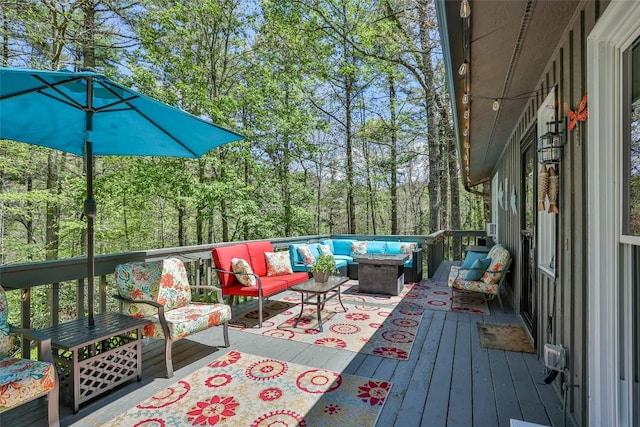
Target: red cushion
x,y
222,256
270,285
295,277
256,254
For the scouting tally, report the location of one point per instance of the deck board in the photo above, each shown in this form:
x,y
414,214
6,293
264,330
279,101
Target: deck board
x,y
448,380
460,413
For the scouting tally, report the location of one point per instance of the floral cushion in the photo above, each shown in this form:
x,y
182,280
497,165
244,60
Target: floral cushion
x,y
22,380
457,280
5,336
500,257
278,263
188,320
243,271
408,248
324,249
306,255
164,282
358,248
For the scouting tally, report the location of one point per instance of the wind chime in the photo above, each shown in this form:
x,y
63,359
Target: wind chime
x,y
549,146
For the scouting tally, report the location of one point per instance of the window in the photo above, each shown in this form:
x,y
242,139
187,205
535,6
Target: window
x,y
631,208
631,203
547,221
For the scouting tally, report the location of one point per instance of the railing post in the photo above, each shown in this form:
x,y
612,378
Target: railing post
x,y
103,294
80,300
25,299
54,303
436,255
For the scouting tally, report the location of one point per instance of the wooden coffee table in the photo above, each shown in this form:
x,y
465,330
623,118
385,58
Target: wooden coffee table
x,y
381,273
322,292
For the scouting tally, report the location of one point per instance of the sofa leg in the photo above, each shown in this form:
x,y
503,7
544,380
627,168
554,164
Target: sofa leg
x,y
167,355
225,331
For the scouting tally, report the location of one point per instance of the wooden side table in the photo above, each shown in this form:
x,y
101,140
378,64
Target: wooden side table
x,y
91,360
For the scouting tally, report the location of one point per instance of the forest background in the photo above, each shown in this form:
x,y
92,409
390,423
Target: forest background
x,y
342,103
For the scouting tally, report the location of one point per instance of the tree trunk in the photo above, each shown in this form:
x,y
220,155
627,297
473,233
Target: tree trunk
x,y
435,157
393,161
182,229
5,38
53,208
200,208
348,96
88,42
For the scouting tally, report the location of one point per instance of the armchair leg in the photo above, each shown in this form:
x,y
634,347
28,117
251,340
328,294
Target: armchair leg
x,y
225,331
52,406
259,312
167,356
500,301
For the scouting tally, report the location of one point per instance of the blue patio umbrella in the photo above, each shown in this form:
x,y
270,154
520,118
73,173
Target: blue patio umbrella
x,y
87,114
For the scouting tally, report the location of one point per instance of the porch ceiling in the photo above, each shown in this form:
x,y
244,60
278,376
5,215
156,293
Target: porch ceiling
x,y
511,42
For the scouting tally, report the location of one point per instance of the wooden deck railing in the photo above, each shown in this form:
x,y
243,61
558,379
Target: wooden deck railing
x,y
64,276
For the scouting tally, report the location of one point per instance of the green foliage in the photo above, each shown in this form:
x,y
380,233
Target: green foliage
x,y
324,263
275,71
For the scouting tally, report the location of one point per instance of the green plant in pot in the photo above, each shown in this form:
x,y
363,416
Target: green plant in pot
x,y
323,267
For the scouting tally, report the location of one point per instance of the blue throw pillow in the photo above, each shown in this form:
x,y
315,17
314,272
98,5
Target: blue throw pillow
x,y
471,258
478,268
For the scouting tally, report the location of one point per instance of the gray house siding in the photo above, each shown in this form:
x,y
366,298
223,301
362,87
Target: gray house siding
x,y
561,301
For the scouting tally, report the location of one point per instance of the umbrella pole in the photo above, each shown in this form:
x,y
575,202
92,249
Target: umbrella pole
x,y
89,211
90,203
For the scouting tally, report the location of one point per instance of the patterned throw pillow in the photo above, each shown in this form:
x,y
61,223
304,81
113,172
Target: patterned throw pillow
x,y
278,263
358,248
306,255
324,249
408,248
243,271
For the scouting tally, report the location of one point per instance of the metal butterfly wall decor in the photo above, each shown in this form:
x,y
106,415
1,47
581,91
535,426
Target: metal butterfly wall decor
x,y
580,115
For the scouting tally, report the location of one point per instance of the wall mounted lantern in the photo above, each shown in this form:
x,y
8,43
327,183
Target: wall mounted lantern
x,y
550,144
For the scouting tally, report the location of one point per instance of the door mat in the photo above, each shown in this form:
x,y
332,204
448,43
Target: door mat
x,y
241,389
504,337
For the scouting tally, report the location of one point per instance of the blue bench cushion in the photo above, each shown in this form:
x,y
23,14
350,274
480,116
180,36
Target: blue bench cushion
x,y
374,247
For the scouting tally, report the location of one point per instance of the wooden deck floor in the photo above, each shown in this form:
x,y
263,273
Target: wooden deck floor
x,y
449,379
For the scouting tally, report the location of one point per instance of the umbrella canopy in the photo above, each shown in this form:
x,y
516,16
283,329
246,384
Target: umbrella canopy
x,y
87,114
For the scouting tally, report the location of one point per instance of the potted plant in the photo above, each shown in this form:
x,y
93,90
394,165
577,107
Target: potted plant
x,y
323,267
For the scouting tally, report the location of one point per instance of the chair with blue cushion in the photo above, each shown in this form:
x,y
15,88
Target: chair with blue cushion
x,y
24,380
483,273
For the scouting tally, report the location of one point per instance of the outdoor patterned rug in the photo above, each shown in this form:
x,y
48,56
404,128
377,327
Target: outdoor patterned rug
x,y
240,389
428,294
381,325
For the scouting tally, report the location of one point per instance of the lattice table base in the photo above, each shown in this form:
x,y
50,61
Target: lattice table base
x,y
94,359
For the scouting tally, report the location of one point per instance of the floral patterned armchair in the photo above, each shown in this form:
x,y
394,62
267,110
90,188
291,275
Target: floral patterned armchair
x,y
491,278
159,291
23,380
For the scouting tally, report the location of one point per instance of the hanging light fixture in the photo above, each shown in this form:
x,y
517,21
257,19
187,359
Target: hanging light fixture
x,y
550,145
463,68
465,98
465,9
496,105
466,114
